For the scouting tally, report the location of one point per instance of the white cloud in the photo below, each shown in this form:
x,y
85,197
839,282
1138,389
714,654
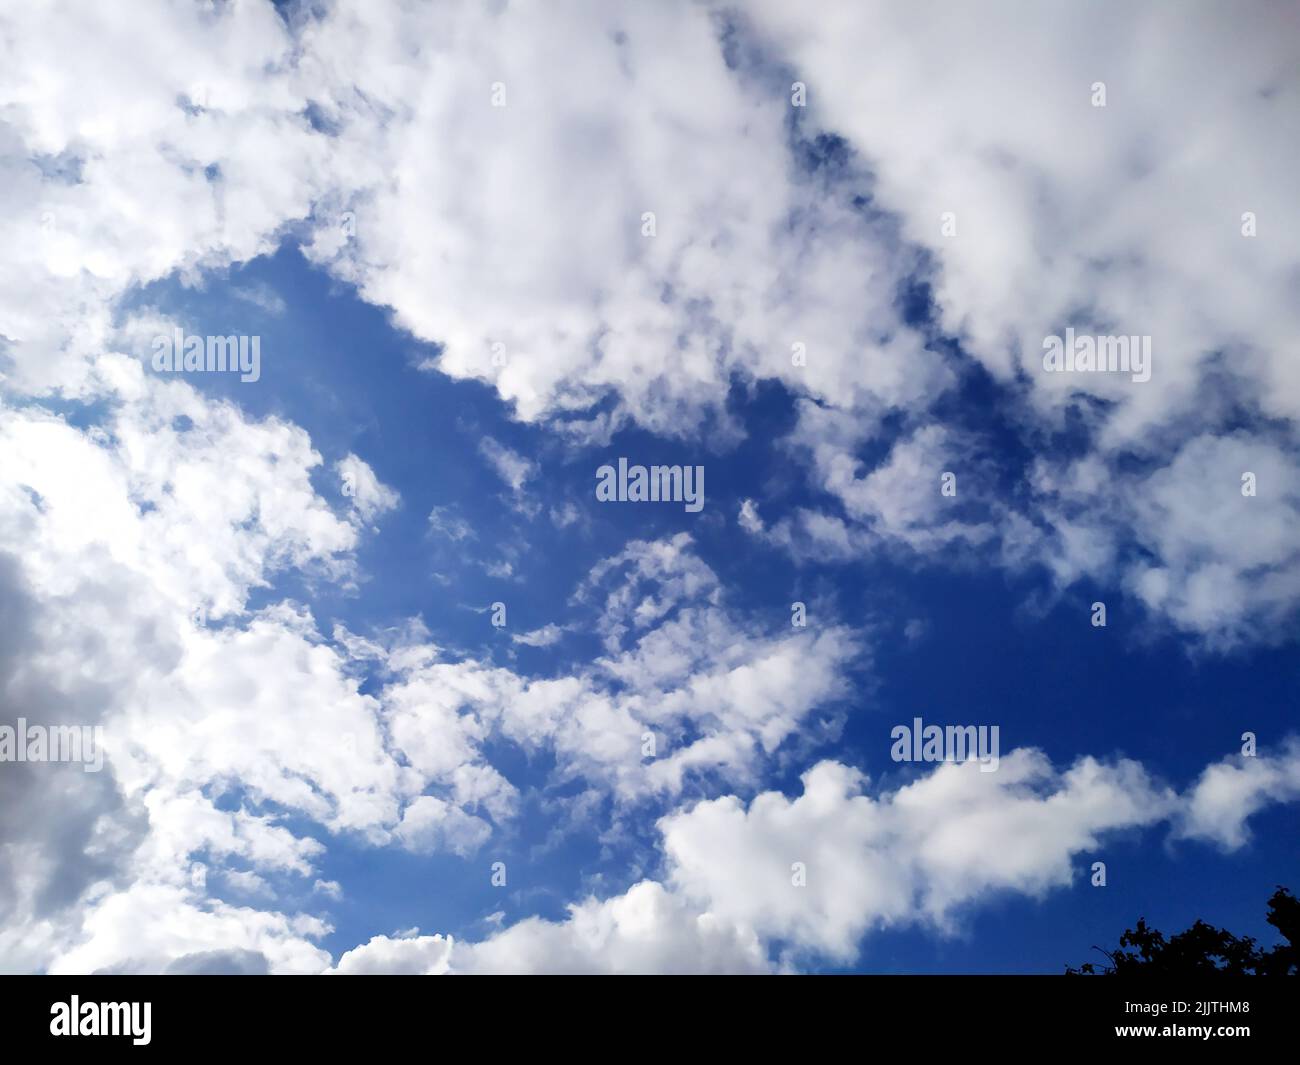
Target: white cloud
x,y
496,237
410,956
645,930
430,824
263,296
923,852
546,636
1213,560
1228,793
718,694
368,495
509,465
1127,215
122,931
149,182
749,518
444,522
913,854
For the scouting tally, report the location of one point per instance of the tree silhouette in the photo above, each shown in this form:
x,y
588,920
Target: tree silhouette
x,y
1204,949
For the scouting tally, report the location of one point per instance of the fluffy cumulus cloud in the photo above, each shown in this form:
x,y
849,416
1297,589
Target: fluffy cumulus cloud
x,y
629,222
130,568
781,881
1040,211
409,956
1228,793
929,495
1126,218
369,496
612,215
819,871
119,171
262,703
1207,548
697,692
645,930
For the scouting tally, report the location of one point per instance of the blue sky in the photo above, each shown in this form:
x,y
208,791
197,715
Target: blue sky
x,y
319,772
1011,651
